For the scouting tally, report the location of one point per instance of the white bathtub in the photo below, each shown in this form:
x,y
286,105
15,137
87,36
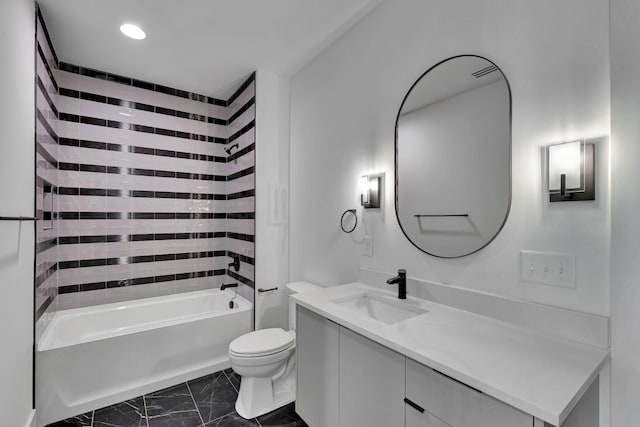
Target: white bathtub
x,y
92,357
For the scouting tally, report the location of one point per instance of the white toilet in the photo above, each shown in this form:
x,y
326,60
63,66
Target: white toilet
x,y
265,359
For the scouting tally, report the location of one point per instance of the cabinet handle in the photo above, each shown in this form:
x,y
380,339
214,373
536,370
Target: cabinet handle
x,y
414,405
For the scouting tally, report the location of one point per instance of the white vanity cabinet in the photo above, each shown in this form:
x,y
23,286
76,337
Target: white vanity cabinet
x,y
347,380
317,352
434,400
371,383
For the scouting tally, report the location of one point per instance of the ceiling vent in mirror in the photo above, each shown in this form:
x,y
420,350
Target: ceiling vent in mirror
x,y
484,71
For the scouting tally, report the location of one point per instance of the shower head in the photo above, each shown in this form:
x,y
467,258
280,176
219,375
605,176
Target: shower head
x,y
228,150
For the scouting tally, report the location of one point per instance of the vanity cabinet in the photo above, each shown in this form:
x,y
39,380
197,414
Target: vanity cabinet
x,y
439,401
317,352
371,383
347,380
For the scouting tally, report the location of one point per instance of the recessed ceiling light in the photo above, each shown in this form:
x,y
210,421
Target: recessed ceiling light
x,y
132,31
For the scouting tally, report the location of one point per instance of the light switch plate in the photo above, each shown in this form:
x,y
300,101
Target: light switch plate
x,y
548,268
368,246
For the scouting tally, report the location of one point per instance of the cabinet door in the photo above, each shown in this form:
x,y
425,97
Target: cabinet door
x,y
317,341
456,404
371,383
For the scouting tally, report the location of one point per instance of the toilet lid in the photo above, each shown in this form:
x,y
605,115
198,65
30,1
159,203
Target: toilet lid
x,y
262,343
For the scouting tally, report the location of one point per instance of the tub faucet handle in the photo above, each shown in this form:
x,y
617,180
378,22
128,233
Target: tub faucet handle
x,y
235,264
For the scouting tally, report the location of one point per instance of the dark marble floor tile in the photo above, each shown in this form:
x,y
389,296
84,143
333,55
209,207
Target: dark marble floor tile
x,y
83,420
232,420
233,377
172,407
129,413
215,396
283,417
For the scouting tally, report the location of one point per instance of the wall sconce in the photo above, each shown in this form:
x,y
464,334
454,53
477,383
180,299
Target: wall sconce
x,y
570,172
370,189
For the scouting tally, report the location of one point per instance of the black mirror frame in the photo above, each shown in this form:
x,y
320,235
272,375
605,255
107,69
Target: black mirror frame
x,y
510,155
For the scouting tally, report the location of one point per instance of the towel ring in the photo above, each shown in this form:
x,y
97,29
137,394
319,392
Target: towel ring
x,y
353,212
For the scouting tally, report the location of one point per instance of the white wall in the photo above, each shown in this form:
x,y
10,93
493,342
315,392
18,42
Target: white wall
x,y
625,206
343,109
272,198
17,20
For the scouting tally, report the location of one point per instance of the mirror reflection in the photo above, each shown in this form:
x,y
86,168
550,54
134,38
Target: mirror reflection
x,y
453,157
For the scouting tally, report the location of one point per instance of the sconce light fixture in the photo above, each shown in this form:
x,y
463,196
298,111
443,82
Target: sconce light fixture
x,y
570,171
370,189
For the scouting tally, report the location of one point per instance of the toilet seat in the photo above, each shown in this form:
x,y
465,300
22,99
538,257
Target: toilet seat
x,y
262,343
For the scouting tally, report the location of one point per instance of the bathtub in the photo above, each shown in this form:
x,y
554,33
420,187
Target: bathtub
x,y
92,357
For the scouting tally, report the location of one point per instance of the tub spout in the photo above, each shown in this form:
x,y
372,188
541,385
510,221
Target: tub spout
x,y
230,285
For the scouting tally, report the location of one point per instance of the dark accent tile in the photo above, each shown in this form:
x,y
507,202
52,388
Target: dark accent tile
x,y
119,283
93,73
244,108
92,287
165,111
141,237
182,93
130,413
165,278
164,153
93,121
164,257
68,240
214,395
233,377
93,262
165,89
142,150
93,97
172,407
143,85
83,420
68,289
282,417
232,420
240,174
140,258
68,264
183,276
69,92
69,67
119,79
165,132
242,131
142,280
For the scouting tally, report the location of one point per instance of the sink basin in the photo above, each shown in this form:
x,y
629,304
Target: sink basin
x,y
380,308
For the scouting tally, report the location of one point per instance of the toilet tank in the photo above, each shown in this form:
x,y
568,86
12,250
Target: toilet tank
x,y
294,288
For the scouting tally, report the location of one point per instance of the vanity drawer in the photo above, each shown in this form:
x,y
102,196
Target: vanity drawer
x,y
448,403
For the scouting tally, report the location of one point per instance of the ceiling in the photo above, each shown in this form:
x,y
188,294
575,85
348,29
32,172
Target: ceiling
x,y
202,46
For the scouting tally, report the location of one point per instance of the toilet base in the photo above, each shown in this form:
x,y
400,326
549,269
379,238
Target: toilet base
x,y
258,396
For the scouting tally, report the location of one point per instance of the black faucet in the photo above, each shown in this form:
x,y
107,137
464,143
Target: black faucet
x,y
236,263
230,285
401,280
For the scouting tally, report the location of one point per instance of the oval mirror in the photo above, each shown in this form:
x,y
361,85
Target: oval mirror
x,y
453,157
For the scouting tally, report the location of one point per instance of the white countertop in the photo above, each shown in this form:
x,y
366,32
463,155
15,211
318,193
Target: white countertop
x,y
541,375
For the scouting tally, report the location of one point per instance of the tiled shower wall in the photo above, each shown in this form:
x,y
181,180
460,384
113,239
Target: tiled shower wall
x,y
155,188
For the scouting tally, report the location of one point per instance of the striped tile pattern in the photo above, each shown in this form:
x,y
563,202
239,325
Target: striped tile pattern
x,y
152,184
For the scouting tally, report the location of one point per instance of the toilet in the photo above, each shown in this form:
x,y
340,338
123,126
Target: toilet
x,y
265,359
